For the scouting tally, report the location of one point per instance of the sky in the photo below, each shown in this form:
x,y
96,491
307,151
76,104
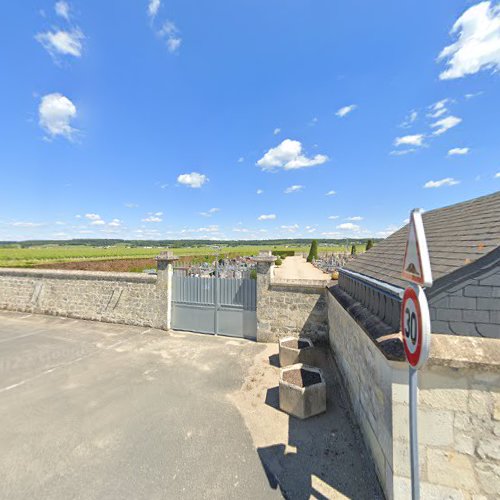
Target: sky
x,y
255,119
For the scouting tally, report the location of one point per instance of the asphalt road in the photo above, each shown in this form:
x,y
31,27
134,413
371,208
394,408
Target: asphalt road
x,y
98,411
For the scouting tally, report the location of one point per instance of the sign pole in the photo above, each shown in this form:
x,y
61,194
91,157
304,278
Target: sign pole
x,y
415,472
415,327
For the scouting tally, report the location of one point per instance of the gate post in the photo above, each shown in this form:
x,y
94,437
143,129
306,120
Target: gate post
x,y
164,281
265,268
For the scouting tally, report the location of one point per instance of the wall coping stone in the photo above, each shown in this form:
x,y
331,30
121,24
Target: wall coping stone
x,y
303,283
77,275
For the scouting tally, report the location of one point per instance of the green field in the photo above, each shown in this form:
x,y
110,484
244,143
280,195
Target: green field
x,y
32,256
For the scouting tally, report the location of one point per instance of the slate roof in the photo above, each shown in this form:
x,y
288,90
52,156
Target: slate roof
x,y
457,235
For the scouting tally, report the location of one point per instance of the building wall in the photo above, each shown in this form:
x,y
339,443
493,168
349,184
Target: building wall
x,y
459,411
129,298
291,308
470,307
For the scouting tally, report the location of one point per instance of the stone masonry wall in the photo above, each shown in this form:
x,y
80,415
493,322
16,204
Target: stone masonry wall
x,y
129,298
459,411
292,308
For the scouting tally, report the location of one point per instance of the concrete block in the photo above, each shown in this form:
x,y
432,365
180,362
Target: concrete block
x,y
293,350
302,402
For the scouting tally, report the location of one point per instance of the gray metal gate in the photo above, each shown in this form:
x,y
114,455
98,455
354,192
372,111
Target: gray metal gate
x,y
225,306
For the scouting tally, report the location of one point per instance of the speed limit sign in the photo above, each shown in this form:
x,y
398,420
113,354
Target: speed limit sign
x,y
416,326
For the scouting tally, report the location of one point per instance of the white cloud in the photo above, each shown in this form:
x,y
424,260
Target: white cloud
x,y
241,159
288,155
62,9
131,205
98,222
497,175
402,152
92,216
291,229
259,191
458,151
153,218
438,108
332,234
153,8
193,180
276,131
474,94
448,181
210,212
478,42
267,217
355,218
115,223
331,193
293,189
409,140
410,119
170,33
346,110
387,231
445,124
348,226
55,114
62,42
333,217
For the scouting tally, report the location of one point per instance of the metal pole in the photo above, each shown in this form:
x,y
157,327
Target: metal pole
x,y
415,473
216,294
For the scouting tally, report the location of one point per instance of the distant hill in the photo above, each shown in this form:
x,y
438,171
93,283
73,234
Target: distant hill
x,y
178,243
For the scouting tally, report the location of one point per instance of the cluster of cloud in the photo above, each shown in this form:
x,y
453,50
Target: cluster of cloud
x,y
266,217
478,42
193,180
288,156
168,31
438,123
96,220
62,42
154,217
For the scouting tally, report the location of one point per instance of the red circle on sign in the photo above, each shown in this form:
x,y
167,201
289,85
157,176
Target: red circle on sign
x,y
412,357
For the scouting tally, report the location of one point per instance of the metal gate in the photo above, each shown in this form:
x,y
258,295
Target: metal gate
x,y
224,306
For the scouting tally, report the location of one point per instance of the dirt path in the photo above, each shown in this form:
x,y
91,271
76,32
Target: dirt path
x,y
297,268
322,457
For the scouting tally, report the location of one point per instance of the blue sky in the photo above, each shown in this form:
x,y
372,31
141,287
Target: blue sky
x,y
250,119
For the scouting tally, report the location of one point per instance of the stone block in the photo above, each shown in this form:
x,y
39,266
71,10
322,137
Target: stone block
x,y
449,468
488,304
478,291
462,303
488,475
302,400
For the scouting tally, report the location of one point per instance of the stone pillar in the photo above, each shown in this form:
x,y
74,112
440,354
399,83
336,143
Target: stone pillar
x,y
164,282
265,270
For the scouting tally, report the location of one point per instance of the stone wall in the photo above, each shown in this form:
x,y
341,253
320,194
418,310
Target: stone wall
x,y
130,298
289,308
459,410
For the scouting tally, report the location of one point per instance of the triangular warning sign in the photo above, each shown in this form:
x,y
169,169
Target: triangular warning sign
x,y
416,263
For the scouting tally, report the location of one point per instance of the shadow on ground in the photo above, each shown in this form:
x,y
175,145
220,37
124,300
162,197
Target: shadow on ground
x,y
325,456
